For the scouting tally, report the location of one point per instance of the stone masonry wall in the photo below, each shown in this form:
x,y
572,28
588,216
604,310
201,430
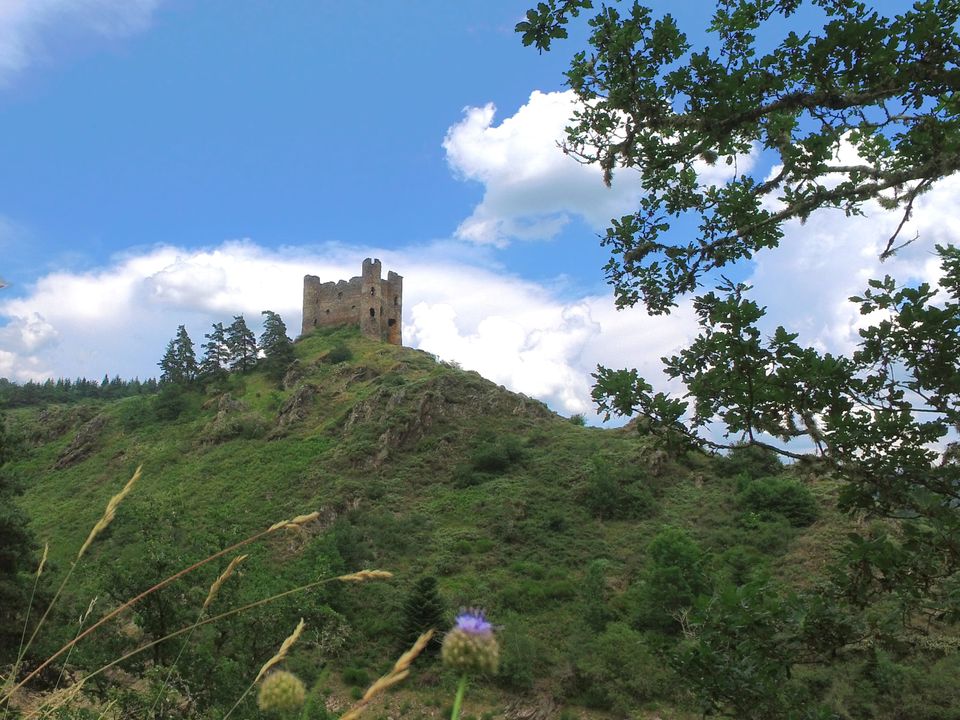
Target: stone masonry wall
x,y
368,301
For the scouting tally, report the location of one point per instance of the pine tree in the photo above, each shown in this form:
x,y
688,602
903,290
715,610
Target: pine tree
x,y
216,353
276,346
423,609
179,363
168,364
186,357
242,345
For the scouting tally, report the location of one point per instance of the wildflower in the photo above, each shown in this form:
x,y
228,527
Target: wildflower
x,y
281,692
471,645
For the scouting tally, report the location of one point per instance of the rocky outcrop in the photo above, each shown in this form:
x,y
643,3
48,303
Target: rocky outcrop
x,y
233,419
84,443
404,413
296,408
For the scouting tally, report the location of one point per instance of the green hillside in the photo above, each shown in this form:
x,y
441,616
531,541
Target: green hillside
x,y
586,547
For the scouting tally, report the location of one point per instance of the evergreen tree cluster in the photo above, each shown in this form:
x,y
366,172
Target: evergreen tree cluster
x,y
65,390
227,349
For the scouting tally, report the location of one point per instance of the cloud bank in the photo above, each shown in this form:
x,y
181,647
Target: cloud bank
x,y
118,319
32,30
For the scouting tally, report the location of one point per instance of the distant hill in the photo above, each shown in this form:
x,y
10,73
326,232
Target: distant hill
x,y
584,545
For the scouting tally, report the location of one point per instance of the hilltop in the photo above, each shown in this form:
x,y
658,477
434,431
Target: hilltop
x,y
584,545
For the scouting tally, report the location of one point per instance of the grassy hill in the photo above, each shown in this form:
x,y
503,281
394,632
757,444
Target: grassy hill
x,y
585,546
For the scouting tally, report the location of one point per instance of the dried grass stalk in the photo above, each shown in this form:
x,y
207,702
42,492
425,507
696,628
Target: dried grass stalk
x,y
400,670
109,512
43,560
218,583
364,575
298,521
281,653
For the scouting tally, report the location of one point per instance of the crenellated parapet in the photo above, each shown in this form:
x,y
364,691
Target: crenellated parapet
x,y
370,302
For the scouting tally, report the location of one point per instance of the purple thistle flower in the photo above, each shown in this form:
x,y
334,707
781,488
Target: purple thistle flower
x,y
474,622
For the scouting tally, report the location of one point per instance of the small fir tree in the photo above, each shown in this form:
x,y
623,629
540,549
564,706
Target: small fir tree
x,y
276,346
242,345
423,609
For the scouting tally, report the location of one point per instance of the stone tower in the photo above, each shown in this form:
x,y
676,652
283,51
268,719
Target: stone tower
x,y
369,302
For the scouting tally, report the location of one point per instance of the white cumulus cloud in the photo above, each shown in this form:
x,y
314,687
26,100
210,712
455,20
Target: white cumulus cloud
x,y
531,188
31,31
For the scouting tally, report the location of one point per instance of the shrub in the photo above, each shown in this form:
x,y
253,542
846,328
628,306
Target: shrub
x,y
750,460
607,497
338,353
578,419
781,495
519,656
356,677
133,413
170,402
617,671
496,456
673,580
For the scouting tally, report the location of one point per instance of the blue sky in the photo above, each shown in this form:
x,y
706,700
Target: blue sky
x,y
173,161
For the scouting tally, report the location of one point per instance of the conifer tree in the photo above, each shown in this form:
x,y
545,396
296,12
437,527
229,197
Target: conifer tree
x,y
216,355
276,346
423,609
242,345
179,363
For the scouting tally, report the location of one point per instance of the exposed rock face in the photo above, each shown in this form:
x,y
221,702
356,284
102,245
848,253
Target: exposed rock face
x,y
232,420
296,408
405,413
54,421
84,443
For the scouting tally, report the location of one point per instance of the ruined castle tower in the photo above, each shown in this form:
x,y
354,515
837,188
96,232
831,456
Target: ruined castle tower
x,y
367,301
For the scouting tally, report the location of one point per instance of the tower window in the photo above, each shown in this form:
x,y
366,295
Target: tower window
x,y
396,300
391,322
372,291
373,313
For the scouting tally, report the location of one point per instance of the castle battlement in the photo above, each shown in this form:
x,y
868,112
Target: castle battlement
x,y
368,301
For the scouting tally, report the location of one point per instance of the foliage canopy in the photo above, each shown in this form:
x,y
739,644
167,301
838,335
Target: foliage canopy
x,y
862,109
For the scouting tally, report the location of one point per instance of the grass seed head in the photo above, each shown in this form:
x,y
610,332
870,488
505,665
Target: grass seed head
x,y
110,512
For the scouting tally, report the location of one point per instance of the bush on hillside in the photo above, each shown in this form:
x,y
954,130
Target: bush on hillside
x,y
170,402
338,354
610,495
673,580
750,460
617,671
496,455
780,495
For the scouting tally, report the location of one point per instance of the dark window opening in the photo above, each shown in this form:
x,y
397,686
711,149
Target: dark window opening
x,y
396,300
328,311
372,292
373,312
391,322
314,322
339,296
